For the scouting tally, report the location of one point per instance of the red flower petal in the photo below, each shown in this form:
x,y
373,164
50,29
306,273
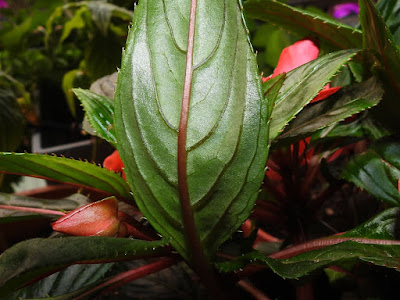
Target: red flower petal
x,y
296,55
113,162
325,93
98,218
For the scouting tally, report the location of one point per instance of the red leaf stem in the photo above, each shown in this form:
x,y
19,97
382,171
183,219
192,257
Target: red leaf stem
x,y
33,210
131,275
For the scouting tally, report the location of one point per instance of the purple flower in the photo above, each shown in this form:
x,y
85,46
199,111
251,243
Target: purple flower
x,y
343,10
3,4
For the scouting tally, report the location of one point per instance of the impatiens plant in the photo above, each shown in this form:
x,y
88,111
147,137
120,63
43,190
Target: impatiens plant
x,y
191,184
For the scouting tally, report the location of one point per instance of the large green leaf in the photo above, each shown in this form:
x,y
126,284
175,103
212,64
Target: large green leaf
x,y
304,23
34,258
223,136
374,244
99,111
377,171
390,11
65,170
11,121
347,102
302,85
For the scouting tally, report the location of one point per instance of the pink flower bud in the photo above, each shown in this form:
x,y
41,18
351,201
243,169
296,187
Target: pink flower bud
x,y
98,218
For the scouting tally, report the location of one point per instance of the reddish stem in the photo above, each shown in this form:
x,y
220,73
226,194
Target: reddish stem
x,y
322,243
131,275
33,210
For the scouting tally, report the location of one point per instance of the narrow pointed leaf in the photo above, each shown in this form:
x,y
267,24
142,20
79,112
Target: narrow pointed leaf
x,y
304,23
377,247
347,102
65,170
226,140
302,85
378,38
377,171
99,111
34,258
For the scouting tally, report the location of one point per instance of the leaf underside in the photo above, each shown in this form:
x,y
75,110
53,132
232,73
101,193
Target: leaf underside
x,y
65,170
226,143
30,259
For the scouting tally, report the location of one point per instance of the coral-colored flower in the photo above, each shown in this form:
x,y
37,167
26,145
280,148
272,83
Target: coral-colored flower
x,y
114,163
297,55
99,218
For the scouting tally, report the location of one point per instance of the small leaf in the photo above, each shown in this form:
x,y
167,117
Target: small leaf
x,y
302,85
377,171
304,23
224,154
99,111
64,170
31,259
347,102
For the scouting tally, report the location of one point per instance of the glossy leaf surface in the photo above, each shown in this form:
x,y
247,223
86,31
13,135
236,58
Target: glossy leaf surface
x,y
99,111
31,259
377,248
64,170
226,140
304,23
377,171
347,102
302,85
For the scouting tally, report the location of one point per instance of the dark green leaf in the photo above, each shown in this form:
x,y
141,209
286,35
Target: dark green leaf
x,y
69,280
65,170
11,121
302,85
304,23
390,11
31,259
226,143
99,111
377,171
378,38
347,102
